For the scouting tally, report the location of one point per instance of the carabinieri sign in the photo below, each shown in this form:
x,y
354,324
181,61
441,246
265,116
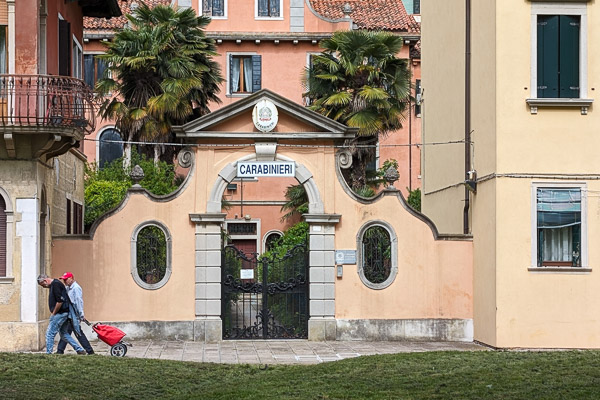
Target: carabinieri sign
x,y
266,168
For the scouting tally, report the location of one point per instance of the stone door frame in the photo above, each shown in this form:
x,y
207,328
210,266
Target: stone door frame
x,y
208,324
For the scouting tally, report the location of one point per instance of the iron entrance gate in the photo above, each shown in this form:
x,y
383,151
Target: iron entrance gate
x,y
264,297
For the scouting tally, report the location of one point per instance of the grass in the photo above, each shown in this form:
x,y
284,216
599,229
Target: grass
x,y
432,375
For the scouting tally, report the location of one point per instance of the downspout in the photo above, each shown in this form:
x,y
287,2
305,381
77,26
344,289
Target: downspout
x,y
467,112
410,111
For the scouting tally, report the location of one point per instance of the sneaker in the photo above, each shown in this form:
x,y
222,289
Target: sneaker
x,y
81,353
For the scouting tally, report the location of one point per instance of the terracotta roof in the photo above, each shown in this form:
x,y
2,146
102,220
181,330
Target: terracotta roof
x,y
118,22
389,15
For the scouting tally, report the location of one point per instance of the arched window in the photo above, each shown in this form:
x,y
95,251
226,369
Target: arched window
x,y
151,255
3,238
108,150
270,239
378,247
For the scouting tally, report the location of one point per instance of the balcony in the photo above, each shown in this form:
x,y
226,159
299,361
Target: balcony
x,y
43,116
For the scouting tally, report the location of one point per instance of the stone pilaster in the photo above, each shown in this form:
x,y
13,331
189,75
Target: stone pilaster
x,y
322,325
208,326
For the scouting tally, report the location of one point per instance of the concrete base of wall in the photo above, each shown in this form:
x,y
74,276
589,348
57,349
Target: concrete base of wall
x,y
321,329
459,330
31,336
19,336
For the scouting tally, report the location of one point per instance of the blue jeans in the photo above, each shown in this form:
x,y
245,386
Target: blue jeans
x,y
56,325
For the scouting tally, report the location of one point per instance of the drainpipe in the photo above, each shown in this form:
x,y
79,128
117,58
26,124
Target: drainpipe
x,y
467,112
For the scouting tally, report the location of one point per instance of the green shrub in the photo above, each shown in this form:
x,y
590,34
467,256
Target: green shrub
x,y
414,199
102,196
114,179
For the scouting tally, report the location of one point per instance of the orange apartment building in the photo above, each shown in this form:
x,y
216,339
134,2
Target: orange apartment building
x,y
278,42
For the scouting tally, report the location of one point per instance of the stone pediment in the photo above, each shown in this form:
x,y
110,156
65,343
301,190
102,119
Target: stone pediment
x,y
235,121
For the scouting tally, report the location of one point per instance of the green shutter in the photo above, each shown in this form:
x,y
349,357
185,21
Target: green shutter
x,y
256,74
547,56
569,56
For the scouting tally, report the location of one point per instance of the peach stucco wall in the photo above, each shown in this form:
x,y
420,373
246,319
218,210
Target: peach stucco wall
x,y
434,278
103,266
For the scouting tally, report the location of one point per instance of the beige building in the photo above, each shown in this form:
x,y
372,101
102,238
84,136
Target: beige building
x,y
524,180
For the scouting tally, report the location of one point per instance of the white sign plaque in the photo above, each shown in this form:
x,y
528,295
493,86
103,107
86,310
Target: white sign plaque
x,y
265,168
246,274
265,116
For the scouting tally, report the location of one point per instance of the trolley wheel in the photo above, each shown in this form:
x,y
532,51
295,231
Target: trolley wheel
x,y
118,350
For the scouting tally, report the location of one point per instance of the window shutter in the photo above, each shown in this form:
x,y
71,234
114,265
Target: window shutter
x,y
68,217
3,237
263,8
3,12
569,56
88,70
230,62
64,48
100,68
256,73
218,9
547,56
275,11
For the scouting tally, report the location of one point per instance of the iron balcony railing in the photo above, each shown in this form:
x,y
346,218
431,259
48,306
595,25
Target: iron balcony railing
x,y
45,101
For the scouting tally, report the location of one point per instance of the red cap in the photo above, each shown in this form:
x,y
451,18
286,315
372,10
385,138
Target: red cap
x,y
66,275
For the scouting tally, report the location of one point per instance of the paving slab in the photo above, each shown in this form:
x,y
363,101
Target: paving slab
x,y
297,352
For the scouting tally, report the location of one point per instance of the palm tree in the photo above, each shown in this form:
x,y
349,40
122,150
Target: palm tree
x,y
161,73
296,202
358,80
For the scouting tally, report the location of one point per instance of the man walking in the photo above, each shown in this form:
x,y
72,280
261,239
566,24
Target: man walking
x,y
59,312
76,296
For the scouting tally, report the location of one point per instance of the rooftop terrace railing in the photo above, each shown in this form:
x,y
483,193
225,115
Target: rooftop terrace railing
x,y
46,101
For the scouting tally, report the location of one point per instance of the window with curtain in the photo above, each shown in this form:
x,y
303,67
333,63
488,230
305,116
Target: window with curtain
x,y
269,8
244,74
558,50
213,8
77,60
559,227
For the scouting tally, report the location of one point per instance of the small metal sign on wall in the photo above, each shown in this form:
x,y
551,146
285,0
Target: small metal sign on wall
x,y
345,257
265,168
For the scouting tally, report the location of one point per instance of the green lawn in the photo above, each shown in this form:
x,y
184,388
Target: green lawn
x,y
433,375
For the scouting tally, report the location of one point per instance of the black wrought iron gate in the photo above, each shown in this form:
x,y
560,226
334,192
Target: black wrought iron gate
x,y
264,298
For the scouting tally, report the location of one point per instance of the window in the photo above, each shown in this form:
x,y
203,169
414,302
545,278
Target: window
x,y
268,8
93,69
559,227
377,254
214,8
418,96
416,7
3,51
270,239
558,56
151,255
3,238
77,59
244,74
74,218
559,51
109,146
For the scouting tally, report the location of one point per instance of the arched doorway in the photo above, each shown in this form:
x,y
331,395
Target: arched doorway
x,y
317,280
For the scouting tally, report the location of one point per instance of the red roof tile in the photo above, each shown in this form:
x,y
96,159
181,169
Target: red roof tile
x,y
118,22
389,15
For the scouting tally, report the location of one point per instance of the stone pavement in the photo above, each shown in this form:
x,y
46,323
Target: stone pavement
x,y
275,351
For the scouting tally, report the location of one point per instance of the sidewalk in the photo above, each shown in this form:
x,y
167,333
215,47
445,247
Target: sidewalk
x,y
275,351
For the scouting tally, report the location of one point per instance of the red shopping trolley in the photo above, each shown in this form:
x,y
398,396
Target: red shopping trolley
x,y
113,337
